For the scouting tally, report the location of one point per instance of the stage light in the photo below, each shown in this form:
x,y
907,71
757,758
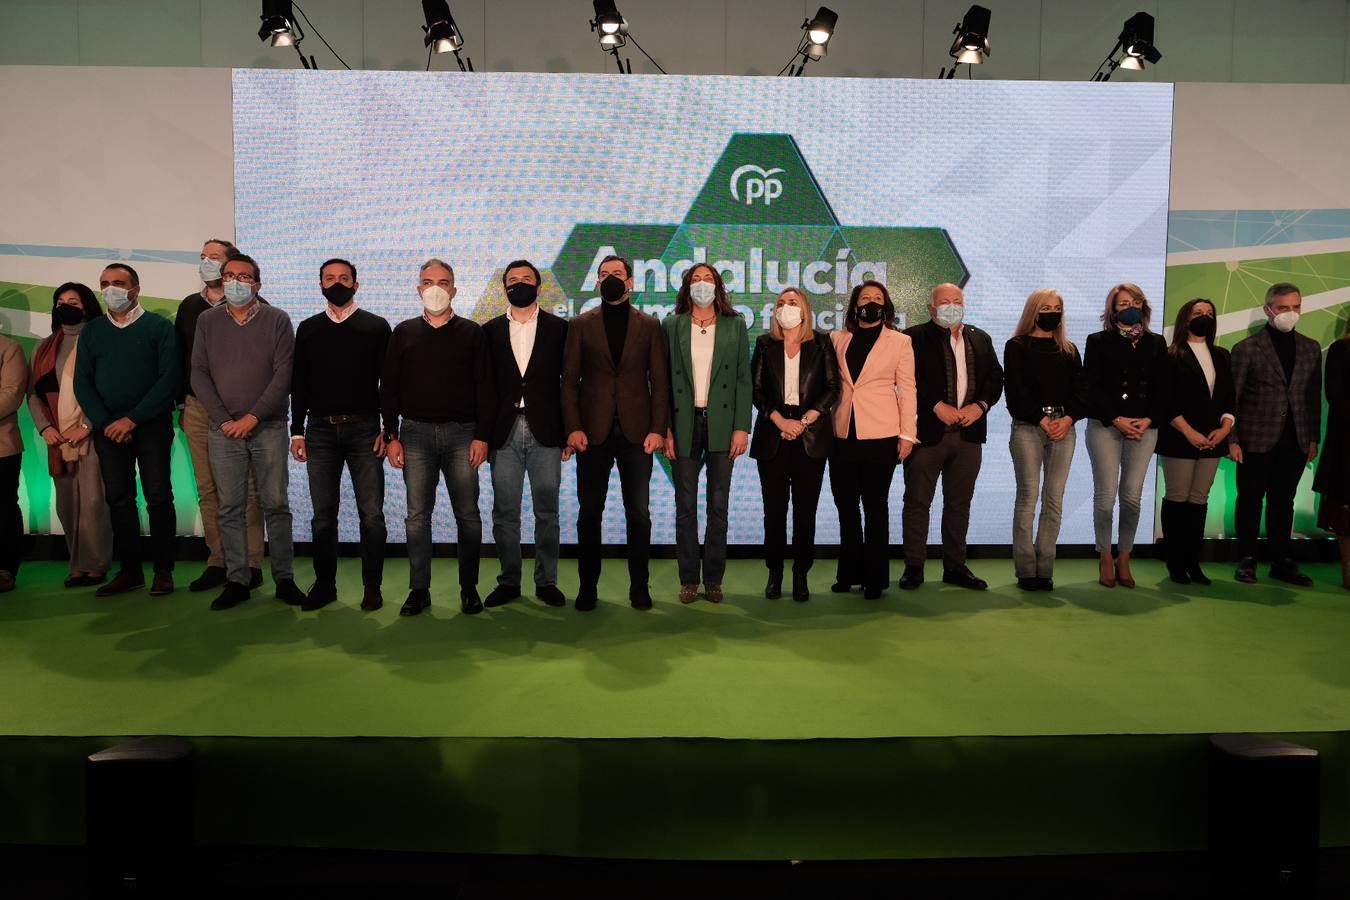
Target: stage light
x,y
612,30
1136,42
607,19
971,45
442,35
815,40
278,24
821,28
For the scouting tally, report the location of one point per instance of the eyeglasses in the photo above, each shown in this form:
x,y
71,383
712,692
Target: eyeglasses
x,y
242,279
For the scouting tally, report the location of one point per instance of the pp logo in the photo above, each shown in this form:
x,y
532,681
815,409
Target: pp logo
x,y
761,185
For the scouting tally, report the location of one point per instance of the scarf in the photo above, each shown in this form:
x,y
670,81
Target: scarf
x,y
1133,333
59,406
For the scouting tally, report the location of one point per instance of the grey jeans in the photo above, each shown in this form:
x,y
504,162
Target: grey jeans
x,y
1119,467
1034,455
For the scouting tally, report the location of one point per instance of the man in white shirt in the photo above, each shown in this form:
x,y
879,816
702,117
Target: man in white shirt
x,y
525,346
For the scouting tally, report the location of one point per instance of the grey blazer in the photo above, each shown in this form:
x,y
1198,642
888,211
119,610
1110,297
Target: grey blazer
x,y
1265,396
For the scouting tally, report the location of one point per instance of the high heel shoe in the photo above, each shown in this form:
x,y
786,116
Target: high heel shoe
x,y
1106,571
1123,576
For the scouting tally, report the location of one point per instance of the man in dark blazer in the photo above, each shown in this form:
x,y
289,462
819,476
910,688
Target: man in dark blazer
x,y
958,378
526,347
616,408
1277,375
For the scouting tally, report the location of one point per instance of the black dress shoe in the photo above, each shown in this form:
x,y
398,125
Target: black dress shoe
x,y
549,595
586,599
841,587
1286,570
1029,584
232,596
211,577
872,593
254,579
911,578
800,592
640,598
1246,570
125,580
372,599
417,601
1045,584
469,602
1196,574
1176,572
501,595
965,578
322,594
773,588
289,592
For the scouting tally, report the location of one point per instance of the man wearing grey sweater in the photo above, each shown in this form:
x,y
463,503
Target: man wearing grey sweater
x,y
241,372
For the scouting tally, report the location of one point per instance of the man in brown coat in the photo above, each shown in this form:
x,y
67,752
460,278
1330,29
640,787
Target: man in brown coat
x,y
616,407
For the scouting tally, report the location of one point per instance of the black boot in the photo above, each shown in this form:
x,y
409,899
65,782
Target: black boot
x,y
773,588
1195,533
1176,536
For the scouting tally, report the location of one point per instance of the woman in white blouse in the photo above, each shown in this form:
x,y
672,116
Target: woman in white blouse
x,y
709,352
1199,401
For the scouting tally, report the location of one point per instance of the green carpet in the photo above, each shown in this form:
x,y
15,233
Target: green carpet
x,y
936,662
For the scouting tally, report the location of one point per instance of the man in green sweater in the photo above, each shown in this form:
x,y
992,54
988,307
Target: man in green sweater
x,y
127,376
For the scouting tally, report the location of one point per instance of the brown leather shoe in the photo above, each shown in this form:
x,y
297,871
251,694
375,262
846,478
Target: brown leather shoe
x,y
688,593
162,585
713,592
126,580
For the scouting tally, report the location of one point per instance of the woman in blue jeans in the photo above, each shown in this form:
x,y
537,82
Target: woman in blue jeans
x,y
1046,392
709,354
1126,367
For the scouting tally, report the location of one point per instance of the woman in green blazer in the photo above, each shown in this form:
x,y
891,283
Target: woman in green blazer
x,y
709,353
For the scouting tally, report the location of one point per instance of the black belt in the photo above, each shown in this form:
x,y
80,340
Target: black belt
x,y
701,411
344,420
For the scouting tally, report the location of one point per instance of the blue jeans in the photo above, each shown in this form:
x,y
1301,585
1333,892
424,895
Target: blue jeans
x,y
330,446
265,452
1118,465
1034,454
522,454
686,470
430,450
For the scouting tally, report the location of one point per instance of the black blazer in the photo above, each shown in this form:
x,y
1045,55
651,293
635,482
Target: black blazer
x,y
818,388
931,344
1125,379
540,385
1188,396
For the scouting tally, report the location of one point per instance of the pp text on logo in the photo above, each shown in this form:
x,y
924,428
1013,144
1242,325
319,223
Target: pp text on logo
x,y
760,185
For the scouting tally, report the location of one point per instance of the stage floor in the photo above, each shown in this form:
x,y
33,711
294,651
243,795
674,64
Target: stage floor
x,y
1083,660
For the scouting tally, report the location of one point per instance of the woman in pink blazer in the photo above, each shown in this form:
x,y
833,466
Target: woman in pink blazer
x,y
874,426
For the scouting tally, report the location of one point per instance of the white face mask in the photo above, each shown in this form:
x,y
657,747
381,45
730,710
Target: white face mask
x,y
1285,321
949,315
208,270
703,293
789,317
238,294
435,299
116,299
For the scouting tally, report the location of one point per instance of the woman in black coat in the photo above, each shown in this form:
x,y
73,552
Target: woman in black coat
x,y
1332,480
796,386
1197,414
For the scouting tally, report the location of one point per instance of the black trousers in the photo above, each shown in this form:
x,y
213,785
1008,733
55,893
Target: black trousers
x,y
957,462
790,474
1272,476
148,451
635,479
860,480
11,518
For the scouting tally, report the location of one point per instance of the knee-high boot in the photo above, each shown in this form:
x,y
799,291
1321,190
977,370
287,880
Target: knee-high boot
x,y
1175,538
1195,532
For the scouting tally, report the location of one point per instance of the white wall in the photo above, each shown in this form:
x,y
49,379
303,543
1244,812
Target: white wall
x,y
1202,40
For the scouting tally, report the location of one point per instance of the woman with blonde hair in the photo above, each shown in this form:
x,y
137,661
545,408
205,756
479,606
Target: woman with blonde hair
x,y
1046,393
796,385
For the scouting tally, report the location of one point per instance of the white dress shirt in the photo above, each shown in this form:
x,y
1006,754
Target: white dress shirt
x,y
701,353
959,351
130,318
1206,361
522,341
341,316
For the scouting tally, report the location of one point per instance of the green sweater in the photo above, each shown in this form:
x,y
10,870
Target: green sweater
x,y
134,372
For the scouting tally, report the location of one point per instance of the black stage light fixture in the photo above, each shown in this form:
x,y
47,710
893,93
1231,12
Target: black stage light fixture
x,y
280,29
1135,45
442,34
612,29
971,42
815,41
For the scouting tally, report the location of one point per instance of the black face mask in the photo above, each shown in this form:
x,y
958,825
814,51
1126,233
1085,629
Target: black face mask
x,y
612,288
871,312
522,294
69,315
1202,326
1048,321
339,294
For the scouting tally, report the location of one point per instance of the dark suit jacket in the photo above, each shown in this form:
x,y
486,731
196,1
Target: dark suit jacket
x,y
932,343
539,384
1333,475
1265,397
818,387
1188,396
1125,379
596,388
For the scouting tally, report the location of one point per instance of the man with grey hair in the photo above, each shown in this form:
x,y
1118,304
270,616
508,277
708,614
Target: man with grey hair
x,y
438,382
1277,374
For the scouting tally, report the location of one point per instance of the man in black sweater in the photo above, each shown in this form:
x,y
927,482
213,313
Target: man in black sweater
x,y
526,345
958,379
335,419
438,380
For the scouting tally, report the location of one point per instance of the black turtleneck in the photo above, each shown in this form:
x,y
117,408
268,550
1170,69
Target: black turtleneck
x,y
616,327
1284,348
864,339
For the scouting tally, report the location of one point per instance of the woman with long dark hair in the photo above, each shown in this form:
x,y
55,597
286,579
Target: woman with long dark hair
x,y
71,458
1197,415
1332,480
709,352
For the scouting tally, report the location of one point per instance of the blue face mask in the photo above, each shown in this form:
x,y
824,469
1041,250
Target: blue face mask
x,y
238,293
1130,316
949,315
208,270
116,298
